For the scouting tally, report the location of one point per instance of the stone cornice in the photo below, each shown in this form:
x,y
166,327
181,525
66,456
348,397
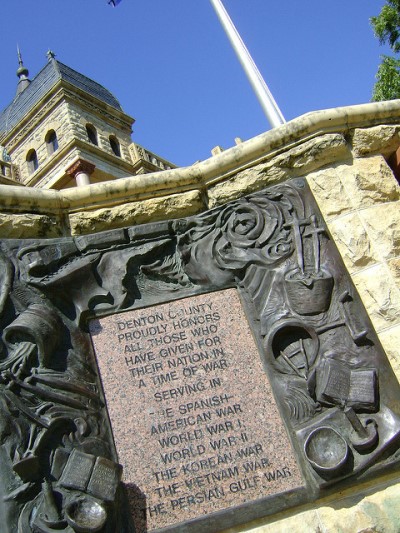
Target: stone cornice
x,y
114,116
201,175
96,151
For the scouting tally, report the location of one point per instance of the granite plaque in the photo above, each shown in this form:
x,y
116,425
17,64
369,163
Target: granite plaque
x,y
195,423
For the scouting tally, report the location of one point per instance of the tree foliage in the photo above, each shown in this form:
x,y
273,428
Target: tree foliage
x,y
387,25
387,29
387,86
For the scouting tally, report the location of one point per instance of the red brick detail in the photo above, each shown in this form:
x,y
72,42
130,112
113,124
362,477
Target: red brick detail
x,y
80,166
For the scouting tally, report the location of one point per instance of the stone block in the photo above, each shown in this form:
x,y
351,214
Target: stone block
x,y
390,340
383,139
245,182
374,513
382,223
328,190
140,212
370,181
305,522
394,266
380,295
25,226
314,153
353,242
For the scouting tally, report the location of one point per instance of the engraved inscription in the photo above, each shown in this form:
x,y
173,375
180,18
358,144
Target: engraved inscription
x,y
194,419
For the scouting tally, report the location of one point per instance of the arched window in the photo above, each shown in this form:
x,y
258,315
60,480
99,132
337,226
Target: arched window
x,y
115,146
51,142
92,134
32,161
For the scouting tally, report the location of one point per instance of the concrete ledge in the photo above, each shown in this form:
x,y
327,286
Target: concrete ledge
x,y
204,174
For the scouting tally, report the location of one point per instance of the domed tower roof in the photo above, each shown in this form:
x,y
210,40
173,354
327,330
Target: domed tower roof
x,y
22,74
29,93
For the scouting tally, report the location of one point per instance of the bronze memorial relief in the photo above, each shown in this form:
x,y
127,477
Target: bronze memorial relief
x,y
188,374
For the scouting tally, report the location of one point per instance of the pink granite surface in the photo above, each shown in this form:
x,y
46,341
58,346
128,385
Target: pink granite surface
x,y
196,426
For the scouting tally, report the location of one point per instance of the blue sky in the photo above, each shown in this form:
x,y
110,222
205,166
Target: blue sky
x,y
172,68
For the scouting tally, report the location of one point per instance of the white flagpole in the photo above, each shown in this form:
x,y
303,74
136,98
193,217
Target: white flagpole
x,y
267,101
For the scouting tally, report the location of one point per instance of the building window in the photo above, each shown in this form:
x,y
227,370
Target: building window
x,y
92,134
5,156
115,146
32,161
51,142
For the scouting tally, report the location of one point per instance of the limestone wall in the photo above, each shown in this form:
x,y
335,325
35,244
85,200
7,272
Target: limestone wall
x,y
342,153
58,121
104,129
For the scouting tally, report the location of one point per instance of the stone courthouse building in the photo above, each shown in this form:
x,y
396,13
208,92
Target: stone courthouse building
x,y
69,168
63,129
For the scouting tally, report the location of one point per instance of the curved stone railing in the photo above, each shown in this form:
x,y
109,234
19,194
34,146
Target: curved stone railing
x,y
184,191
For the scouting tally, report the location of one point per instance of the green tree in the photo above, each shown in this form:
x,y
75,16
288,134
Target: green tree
x,y
387,29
